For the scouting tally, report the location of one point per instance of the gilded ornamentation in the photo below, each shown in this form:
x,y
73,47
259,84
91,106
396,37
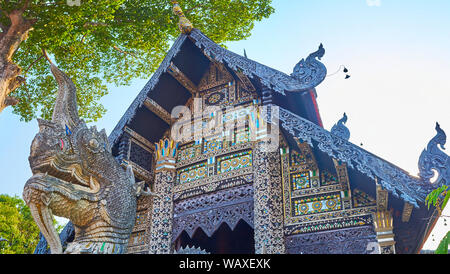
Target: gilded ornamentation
x,y
361,199
216,76
234,162
412,190
332,224
162,206
333,242
184,24
384,227
191,174
318,204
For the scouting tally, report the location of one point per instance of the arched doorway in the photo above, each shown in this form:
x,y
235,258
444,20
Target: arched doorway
x,y
223,241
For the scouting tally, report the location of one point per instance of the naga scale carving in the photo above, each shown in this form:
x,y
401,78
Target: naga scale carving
x,y
76,177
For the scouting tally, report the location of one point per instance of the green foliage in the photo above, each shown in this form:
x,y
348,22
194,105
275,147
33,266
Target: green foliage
x,y
112,41
443,246
438,198
17,227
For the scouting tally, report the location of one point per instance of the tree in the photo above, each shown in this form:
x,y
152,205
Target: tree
x,y
99,42
17,227
439,199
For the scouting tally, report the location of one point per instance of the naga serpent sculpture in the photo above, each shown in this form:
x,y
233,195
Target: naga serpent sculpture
x,y
75,176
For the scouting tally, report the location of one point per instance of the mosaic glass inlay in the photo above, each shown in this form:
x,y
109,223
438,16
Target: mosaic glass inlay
x,y
141,218
212,145
237,115
242,136
192,173
312,205
188,152
361,199
300,181
234,162
328,178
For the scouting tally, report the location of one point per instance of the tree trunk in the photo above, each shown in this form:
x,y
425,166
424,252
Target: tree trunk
x,y
10,40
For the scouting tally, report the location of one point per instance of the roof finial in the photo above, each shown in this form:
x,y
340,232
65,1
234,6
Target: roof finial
x,y
184,24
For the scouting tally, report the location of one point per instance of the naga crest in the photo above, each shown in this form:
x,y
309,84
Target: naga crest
x,y
311,71
340,129
434,159
75,176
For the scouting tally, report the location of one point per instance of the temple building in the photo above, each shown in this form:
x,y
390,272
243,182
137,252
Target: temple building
x,y
225,188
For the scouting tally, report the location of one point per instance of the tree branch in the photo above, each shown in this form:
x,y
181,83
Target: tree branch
x,y
44,52
124,52
25,5
94,24
11,101
194,7
32,64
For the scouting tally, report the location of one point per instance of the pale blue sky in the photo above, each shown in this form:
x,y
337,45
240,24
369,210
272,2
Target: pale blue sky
x,y
398,54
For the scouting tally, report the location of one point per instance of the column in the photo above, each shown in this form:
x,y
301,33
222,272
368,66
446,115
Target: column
x,y
384,222
384,228
268,190
162,209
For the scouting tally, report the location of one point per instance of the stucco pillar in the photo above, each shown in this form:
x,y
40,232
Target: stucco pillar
x,y
162,210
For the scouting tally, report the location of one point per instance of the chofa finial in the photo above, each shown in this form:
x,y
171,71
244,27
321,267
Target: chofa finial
x,y
433,159
184,24
340,129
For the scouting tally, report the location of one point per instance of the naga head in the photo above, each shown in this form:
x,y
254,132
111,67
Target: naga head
x,y
75,176
434,161
340,129
441,137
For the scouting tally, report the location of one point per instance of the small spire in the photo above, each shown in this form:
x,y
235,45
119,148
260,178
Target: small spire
x,y
184,24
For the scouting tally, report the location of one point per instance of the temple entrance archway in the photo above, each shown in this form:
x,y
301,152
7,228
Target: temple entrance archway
x,y
223,241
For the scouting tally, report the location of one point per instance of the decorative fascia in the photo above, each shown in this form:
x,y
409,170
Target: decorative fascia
x,y
393,179
307,73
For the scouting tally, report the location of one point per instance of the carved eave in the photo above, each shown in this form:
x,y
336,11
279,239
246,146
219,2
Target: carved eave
x,y
407,211
382,198
143,141
310,74
182,78
342,174
391,178
139,172
158,110
186,70
143,95
245,81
